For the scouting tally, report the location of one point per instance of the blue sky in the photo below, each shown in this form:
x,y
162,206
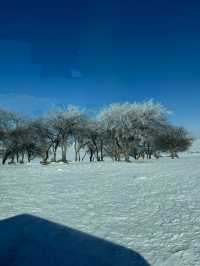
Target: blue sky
x,y
91,53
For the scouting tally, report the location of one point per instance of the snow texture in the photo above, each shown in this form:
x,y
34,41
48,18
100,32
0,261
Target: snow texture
x,y
151,207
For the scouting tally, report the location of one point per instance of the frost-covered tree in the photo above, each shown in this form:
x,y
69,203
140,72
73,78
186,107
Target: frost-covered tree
x,y
121,131
21,141
46,137
129,125
152,121
80,136
115,121
9,121
94,140
174,140
9,124
64,123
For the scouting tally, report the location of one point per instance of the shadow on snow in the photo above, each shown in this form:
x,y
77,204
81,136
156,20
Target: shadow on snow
x,y
26,240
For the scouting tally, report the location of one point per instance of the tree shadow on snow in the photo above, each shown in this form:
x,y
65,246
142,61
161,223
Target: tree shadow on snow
x,y
26,240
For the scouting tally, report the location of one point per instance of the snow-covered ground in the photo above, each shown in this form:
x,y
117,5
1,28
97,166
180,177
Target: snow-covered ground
x,y
152,207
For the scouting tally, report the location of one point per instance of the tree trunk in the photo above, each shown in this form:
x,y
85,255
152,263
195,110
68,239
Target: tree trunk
x,y
29,157
76,150
22,160
97,150
55,151
17,155
91,155
54,156
101,151
5,158
84,156
46,157
64,153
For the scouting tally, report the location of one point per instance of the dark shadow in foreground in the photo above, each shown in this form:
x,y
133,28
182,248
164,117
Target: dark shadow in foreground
x,y
27,240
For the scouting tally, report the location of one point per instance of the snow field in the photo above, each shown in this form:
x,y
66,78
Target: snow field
x,y
151,207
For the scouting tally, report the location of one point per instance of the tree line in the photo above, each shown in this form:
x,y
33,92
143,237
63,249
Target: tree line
x,y
123,131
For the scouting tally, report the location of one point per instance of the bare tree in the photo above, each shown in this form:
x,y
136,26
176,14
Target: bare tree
x,y
121,131
65,122
174,140
129,125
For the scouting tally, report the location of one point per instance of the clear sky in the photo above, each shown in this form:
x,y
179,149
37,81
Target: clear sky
x,y
93,52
